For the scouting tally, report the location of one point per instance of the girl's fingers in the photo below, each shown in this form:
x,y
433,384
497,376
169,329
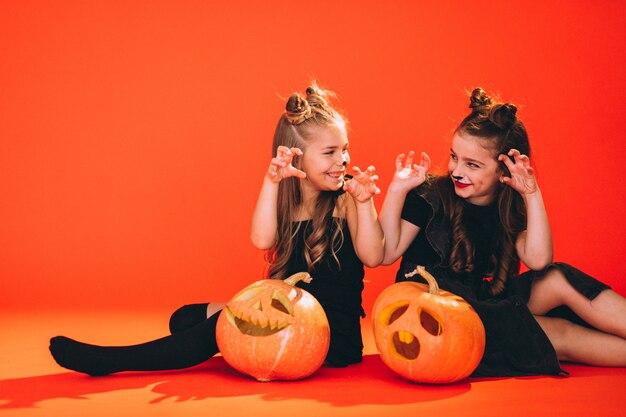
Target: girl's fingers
x,y
525,160
283,156
507,161
425,161
409,159
369,173
282,150
278,162
514,153
419,171
518,156
521,159
399,160
298,173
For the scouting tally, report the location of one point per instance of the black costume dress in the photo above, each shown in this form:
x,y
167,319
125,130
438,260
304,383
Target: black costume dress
x,y
515,343
338,288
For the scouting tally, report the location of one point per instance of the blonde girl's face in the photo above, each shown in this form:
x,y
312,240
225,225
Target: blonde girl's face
x,y
325,158
473,169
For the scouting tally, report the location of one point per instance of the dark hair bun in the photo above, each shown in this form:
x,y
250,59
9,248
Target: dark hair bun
x,y
296,103
315,96
297,109
479,99
503,115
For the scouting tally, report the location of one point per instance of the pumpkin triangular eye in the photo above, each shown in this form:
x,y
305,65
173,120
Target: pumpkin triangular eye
x,y
281,303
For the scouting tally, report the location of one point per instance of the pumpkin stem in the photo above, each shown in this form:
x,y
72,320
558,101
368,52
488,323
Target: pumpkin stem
x,y
299,276
433,287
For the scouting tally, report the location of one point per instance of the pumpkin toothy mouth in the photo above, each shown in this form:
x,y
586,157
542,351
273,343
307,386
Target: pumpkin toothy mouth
x,y
260,318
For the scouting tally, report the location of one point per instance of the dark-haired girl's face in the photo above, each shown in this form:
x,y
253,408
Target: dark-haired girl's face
x,y
473,169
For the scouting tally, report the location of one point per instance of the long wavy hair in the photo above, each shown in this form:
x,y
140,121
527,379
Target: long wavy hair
x,y
496,123
304,114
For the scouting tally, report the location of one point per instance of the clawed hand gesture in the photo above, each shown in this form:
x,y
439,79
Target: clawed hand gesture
x,y
362,186
522,177
409,175
280,166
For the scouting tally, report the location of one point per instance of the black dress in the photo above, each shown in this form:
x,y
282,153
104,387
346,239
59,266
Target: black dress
x,y
515,343
338,288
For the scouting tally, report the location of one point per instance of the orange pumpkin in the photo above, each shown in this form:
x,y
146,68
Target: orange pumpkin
x,y
273,330
426,334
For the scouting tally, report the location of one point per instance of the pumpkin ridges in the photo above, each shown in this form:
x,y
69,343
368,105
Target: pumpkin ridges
x,y
449,356
290,353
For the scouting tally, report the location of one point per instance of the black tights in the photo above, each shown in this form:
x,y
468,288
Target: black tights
x,y
192,342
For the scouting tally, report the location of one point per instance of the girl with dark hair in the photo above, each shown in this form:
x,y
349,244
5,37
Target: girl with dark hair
x,y
310,216
472,227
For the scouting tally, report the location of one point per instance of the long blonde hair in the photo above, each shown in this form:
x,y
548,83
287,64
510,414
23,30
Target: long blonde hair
x,y
302,115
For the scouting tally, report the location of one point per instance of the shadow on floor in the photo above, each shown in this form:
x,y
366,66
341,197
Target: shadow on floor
x,y
367,383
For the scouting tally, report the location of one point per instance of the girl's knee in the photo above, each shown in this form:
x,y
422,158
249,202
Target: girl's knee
x,y
560,333
187,316
554,283
548,292
555,278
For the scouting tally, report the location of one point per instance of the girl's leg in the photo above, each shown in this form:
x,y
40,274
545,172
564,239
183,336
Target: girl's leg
x,y
180,350
606,312
580,344
189,315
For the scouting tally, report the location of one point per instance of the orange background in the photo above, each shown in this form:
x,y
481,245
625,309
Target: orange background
x,y
135,134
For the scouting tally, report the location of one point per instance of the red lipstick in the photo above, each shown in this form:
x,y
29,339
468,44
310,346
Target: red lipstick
x,y
460,184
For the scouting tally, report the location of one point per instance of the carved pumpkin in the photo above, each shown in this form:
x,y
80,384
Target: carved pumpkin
x,y
273,330
425,334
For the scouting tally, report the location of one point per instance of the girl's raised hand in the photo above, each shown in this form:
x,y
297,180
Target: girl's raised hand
x,y
362,186
409,175
522,177
280,166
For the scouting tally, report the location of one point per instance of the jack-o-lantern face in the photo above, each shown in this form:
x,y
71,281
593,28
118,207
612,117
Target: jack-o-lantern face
x,y
427,335
404,318
262,310
273,330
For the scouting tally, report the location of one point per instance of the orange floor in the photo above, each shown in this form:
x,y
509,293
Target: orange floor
x,y
31,384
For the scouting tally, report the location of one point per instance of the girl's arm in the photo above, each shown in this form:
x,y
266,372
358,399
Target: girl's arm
x,y
367,236
534,245
400,233
265,217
